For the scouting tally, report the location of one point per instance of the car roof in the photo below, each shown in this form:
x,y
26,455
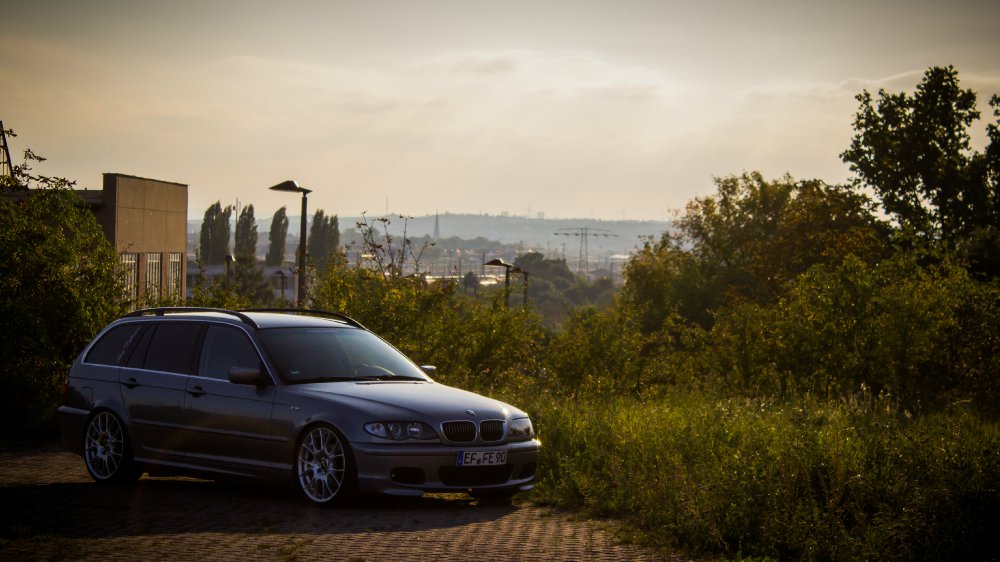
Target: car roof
x,y
282,320
256,319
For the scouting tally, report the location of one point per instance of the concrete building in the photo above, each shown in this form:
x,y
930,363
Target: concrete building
x,y
146,222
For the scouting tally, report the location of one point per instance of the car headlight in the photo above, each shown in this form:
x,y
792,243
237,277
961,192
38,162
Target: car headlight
x,y
401,430
520,429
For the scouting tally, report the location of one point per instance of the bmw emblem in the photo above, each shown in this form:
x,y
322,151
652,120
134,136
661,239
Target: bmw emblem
x,y
471,412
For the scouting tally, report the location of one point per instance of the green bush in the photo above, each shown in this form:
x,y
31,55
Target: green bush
x,y
597,351
926,335
818,480
60,287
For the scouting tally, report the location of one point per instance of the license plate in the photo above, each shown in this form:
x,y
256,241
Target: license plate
x,y
482,458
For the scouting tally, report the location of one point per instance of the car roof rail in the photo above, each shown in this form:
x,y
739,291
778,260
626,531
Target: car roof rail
x,y
163,310
325,313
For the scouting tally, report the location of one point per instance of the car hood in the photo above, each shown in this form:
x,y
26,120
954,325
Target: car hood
x,y
415,400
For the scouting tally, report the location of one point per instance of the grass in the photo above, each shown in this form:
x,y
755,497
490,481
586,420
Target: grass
x,y
812,480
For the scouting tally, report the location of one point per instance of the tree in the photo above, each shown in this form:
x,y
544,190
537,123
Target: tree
x,y
747,243
555,290
662,279
248,278
755,236
334,230
470,282
60,284
215,234
277,237
914,152
324,238
245,247
387,254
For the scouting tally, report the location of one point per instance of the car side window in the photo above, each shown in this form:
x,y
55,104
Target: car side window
x,y
170,347
225,348
138,354
112,348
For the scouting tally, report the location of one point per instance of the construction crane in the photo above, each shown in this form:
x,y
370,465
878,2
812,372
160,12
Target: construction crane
x,y
583,233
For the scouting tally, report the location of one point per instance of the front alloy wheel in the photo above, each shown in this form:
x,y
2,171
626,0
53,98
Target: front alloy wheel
x,y
106,450
323,467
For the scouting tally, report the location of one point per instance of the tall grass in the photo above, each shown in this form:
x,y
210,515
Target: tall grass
x,y
814,480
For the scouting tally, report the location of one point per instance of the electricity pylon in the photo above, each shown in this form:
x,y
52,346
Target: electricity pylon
x,y
583,233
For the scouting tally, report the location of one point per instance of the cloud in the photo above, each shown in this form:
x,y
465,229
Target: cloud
x,y
534,72
983,84
474,63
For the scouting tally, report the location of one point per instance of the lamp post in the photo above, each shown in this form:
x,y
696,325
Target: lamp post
x,y
281,274
291,186
229,263
524,285
497,262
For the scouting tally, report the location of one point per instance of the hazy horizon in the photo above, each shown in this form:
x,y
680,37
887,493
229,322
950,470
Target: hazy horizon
x,y
574,109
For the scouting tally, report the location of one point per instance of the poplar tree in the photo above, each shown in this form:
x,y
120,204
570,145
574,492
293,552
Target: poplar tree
x,y
215,231
245,247
277,237
324,238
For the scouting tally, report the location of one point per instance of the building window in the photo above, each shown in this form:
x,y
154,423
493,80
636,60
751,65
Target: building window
x,y
153,270
130,276
174,276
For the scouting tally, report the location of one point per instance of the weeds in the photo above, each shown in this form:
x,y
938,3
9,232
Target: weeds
x,y
814,480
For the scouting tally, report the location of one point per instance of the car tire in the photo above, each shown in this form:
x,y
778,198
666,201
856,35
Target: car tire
x,y
324,469
107,452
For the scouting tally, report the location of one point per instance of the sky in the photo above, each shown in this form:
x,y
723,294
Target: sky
x,y
615,109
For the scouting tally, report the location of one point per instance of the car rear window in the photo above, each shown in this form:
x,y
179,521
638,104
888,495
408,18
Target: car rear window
x,y
170,347
113,346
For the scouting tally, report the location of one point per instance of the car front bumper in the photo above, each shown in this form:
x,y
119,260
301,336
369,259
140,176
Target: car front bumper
x,y
411,470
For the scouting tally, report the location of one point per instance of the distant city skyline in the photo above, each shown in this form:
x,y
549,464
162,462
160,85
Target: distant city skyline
x,y
623,237
574,109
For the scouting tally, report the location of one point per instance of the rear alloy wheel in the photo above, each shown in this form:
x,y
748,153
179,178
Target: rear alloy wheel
x,y
106,450
323,467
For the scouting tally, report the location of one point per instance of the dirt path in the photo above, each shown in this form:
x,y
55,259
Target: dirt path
x,y
52,510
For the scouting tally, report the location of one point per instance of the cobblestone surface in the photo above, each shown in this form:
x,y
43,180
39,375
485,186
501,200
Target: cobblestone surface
x,y
52,510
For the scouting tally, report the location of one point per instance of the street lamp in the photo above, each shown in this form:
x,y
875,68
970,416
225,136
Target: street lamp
x,y
281,274
289,185
524,285
229,263
497,262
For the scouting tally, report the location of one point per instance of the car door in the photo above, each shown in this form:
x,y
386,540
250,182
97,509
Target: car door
x,y
153,384
230,423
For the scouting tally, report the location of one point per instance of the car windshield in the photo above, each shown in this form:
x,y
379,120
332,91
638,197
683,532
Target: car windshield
x,y
308,355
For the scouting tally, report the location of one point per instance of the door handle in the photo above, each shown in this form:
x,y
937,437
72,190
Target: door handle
x,y
131,383
196,391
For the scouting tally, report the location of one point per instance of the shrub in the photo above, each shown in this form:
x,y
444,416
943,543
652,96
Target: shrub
x,y
60,287
743,477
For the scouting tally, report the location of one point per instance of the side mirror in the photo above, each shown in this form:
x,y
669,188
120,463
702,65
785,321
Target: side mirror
x,y
430,370
245,375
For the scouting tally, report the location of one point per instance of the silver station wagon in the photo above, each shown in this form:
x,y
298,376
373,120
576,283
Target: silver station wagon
x,y
310,397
